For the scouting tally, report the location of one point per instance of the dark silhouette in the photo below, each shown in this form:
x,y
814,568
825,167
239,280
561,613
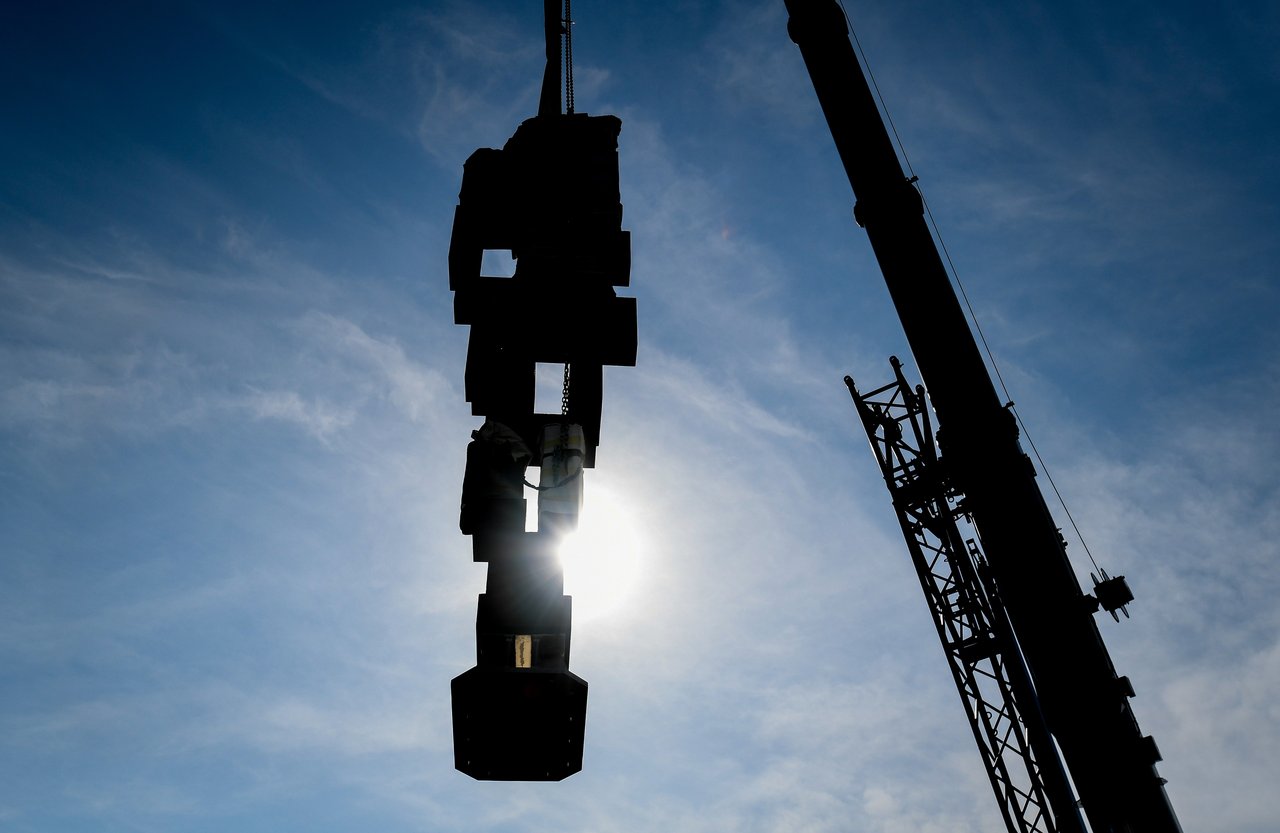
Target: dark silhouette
x,y
1017,599
550,196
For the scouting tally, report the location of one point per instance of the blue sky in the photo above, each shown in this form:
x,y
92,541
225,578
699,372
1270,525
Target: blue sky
x,y
232,427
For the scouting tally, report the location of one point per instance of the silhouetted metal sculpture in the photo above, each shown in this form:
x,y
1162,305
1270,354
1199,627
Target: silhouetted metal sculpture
x,y
980,472
550,196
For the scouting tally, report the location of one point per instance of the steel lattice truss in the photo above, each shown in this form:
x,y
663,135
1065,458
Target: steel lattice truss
x,y
983,655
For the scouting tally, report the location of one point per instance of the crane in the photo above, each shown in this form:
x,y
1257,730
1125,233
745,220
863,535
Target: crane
x,y
1050,714
1017,628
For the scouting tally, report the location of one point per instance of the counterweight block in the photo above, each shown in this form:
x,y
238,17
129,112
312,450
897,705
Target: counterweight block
x,y
524,724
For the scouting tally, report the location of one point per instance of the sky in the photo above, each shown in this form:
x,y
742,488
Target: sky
x,y
232,425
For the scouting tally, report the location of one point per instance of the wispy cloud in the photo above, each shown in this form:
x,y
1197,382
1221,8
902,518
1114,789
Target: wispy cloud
x,y
755,65
233,466
317,418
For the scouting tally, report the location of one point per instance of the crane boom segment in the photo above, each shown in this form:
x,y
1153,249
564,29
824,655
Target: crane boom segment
x,y
1084,702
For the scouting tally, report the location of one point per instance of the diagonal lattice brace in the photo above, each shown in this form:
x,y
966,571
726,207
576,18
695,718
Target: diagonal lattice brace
x,y
985,660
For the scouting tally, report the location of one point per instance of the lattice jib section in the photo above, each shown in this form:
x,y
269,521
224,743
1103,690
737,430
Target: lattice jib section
x,y
967,614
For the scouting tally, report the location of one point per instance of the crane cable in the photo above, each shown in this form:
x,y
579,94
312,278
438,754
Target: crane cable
x,y
561,451
568,105
955,276
568,56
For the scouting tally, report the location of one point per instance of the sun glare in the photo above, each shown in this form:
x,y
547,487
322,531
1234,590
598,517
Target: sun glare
x,y
601,559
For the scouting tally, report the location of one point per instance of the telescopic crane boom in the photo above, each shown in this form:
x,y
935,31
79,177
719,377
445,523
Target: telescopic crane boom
x,y
1034,608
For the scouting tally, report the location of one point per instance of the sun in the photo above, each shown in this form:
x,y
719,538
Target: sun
x,y
602,558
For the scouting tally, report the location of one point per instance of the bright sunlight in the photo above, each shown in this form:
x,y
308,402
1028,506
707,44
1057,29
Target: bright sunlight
x,y
602,559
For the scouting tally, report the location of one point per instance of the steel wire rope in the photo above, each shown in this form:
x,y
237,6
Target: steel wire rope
x,y
568,106
568,56
954,275
562,450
